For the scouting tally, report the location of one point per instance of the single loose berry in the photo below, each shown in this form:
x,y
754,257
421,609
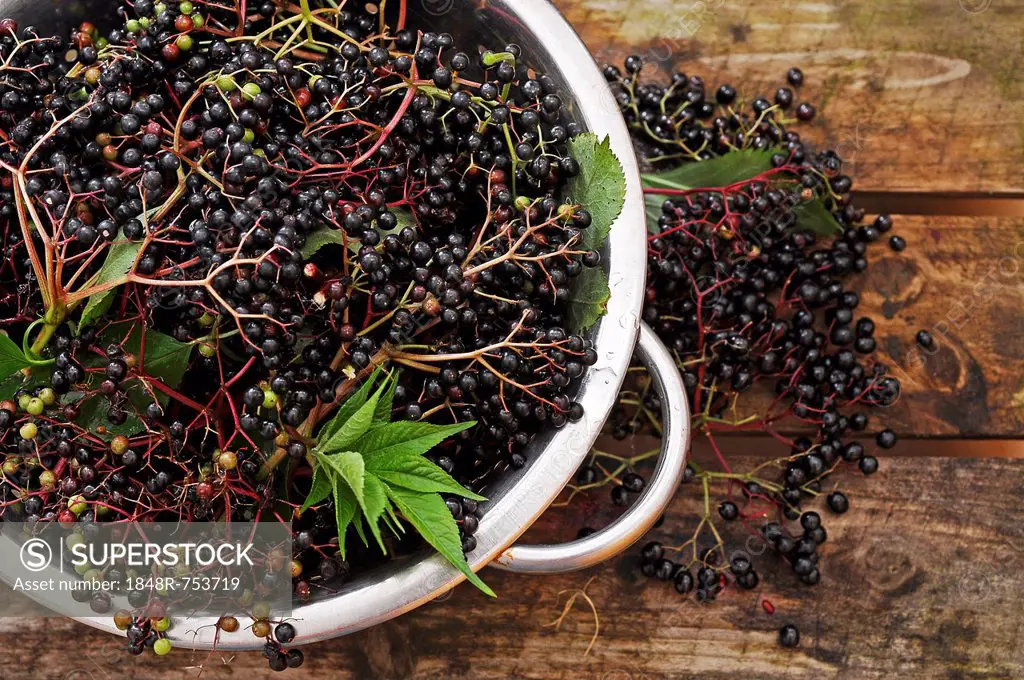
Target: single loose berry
x,y
789,635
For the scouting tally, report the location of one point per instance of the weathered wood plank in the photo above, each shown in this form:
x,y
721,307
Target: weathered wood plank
x,y
922,578
963,279
919,94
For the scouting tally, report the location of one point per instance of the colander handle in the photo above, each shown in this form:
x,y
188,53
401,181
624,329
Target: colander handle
x,y
635,522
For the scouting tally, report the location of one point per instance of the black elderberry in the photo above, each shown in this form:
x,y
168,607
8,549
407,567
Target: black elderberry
x,y
683,581
620,496
837,502
633,482
789,635
728,510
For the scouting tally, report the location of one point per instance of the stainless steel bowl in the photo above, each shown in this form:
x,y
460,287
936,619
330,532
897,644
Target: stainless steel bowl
x,y
551,46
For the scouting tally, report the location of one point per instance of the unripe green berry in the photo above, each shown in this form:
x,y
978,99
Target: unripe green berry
x,y
77,504
35,406
227,460
47,480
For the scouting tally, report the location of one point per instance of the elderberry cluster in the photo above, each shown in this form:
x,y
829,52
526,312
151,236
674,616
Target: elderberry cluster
x,y
749,285
219,218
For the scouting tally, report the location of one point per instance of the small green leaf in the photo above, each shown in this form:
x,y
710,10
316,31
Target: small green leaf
x,y
382,414
320,238
344,512
392,519
652,206
92,412
346,466
814,216
353,428
9,386
430,516
416,473
95,307
600,186
165,358
588,299
320,489
351,405
730,168
404,438
405,219
357,522
375,500
12,359
120,260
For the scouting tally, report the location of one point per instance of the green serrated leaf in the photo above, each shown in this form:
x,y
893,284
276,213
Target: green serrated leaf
x,y
600,186
12,359
357,522
320,238
814,216
392,519
92,412
345,507
430,516
348,467
735,166
95,307
120,259
652,206
382,414
375,500
588,299
403,439
419,474
165,358
352,429
320,489
351,405
398,465
10,385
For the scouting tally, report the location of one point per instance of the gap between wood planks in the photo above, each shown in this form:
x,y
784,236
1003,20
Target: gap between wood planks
x,y
946,203
906,448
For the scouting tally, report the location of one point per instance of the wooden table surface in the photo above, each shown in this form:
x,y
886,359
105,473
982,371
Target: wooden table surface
x,y
924,576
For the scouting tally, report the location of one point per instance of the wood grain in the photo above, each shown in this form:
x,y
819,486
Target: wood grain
x,y
961,278
922,578
914,93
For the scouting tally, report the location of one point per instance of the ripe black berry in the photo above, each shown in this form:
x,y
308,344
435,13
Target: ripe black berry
x,y
789,635
728,510
837,502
